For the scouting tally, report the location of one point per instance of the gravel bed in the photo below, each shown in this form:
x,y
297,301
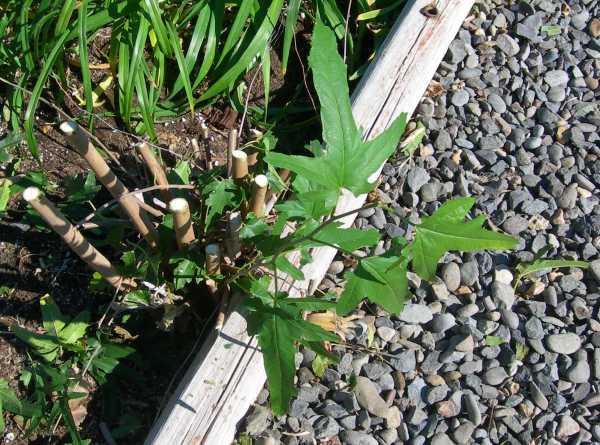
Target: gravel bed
x,y
470,360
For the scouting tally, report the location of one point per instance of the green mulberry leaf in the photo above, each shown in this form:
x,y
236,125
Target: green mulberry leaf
x,y
381,279
220,194
348,162
447,230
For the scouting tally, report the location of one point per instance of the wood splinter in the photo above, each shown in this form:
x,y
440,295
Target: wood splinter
x,y
72,237
156,169
182,222
240,164
129,204
259,192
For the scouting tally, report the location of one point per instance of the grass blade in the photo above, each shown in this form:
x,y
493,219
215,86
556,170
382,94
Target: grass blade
x,y
198,36
64,17
122,63
83,57
38,28
23,27
158,26
266,72
146,108
376,13
185,75
105,16
250,51
137,58
290,23
235,30
36,93
217,8
525,269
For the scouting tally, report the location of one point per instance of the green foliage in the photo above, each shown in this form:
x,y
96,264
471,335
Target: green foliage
x,y
539,264
320,364
348,162
277,321
521,351
447,230
65,349
492,340
219,194
146,37
188,268
9,402
381,279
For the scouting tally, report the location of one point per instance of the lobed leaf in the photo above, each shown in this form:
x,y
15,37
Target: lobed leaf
x,y
220,195
447,230
277,342
380,279
348,162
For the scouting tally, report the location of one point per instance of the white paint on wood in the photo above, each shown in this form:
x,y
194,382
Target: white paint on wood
x,y
228,373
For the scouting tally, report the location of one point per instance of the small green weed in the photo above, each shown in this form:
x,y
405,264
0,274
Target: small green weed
x,y
57,381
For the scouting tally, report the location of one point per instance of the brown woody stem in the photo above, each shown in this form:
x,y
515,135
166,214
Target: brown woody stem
x,y
232,143
129,204
213,266
259,192
240,164
157,171
234,223
72,237
182,221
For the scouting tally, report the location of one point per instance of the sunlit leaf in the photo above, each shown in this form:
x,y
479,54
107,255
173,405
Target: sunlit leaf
x,y
447,230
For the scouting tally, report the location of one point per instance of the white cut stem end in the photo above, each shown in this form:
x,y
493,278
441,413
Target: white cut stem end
x,y
31,194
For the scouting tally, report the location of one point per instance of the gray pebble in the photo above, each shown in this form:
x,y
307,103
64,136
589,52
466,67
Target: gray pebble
x,y
442,322
451,276
495,376
460,98
507,44
503,294
564,343
416,314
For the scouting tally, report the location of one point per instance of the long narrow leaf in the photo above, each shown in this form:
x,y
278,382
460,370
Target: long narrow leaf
x,y
198,37
244,61
24,29
158,25
83,58
36,93
234,35
185,75
214,30
145,105
137,58
290,23
266,72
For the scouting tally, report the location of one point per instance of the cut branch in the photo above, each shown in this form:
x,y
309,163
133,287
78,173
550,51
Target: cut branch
x,y
213,266
233,244
72,237
157,171
259,192
240,164
232,144
129,204
182,221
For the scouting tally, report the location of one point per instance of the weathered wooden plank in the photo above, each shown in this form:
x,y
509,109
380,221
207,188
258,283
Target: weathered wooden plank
x,y
227,374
